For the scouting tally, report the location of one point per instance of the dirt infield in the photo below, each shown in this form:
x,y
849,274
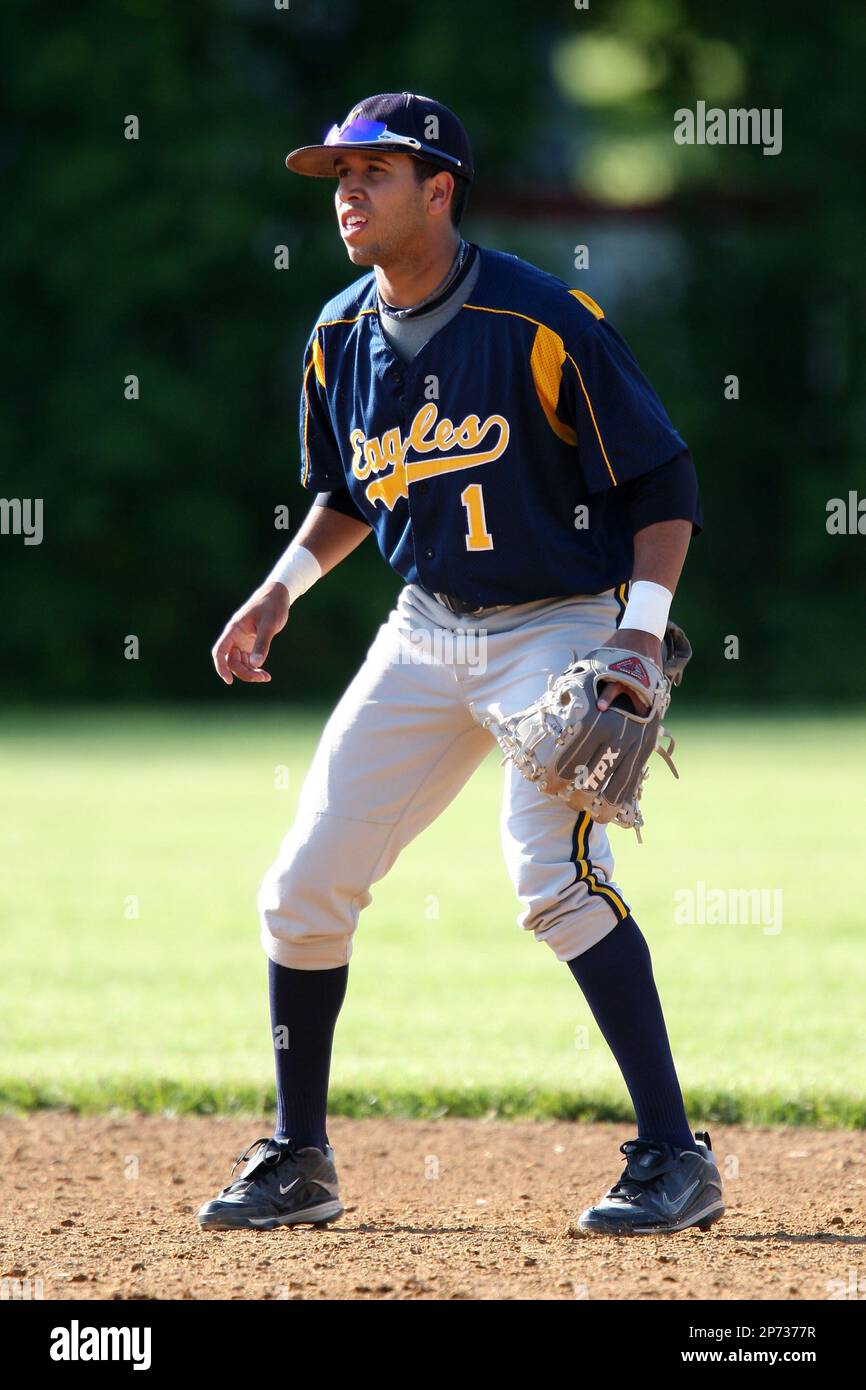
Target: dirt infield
x,y
103,1208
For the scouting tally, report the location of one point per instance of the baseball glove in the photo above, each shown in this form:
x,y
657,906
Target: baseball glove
x,y
595,760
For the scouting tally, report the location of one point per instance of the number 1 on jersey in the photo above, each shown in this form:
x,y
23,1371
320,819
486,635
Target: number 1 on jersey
x,y
478,537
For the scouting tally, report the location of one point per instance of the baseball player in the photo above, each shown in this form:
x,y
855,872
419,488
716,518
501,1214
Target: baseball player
x,y
492,430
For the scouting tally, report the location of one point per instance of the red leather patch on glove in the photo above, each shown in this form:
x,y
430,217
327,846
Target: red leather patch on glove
x,y
631,666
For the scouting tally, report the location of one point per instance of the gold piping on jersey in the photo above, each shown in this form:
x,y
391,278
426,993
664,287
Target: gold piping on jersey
x,y
317,360
329,323
514,313
588,303
306,423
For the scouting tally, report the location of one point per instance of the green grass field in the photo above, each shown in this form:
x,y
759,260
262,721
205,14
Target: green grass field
x,y
450,1006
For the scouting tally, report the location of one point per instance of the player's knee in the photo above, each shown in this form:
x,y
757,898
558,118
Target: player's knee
x,y
306,922
564,910
310,899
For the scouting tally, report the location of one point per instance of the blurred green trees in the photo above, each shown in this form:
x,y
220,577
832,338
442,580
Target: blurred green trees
x,y
154,257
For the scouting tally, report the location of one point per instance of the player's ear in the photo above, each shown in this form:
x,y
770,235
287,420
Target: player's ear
x,y
439,188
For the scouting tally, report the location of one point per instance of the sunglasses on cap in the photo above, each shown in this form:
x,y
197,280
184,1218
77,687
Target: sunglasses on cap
x,y
364,132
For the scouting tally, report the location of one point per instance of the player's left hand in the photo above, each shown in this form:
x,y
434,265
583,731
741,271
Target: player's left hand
x,y
636,641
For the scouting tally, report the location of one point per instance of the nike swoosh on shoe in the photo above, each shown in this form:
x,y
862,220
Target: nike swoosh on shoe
x,y
679,1205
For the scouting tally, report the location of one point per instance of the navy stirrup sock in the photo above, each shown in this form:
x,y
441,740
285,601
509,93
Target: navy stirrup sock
x,y
304,1009
617,980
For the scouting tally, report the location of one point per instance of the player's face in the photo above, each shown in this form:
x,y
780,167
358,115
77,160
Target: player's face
x,y
381,206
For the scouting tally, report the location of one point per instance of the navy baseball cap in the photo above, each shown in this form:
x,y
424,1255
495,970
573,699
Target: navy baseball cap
x,y
401,122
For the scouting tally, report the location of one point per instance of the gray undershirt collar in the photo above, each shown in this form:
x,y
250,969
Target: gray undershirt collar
x,y
412,310
407,335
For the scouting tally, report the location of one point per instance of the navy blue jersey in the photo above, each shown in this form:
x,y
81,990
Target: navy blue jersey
x,y
490,467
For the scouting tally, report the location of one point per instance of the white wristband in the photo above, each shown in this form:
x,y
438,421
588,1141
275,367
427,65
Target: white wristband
x,y
648,607
298,569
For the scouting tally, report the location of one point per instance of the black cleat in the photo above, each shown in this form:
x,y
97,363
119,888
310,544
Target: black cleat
x,y
661,1190
280,1186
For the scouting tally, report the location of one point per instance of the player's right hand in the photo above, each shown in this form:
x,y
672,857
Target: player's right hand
x,y
243,645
